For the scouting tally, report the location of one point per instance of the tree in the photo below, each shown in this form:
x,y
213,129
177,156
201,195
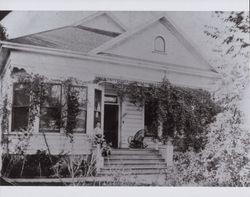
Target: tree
x,y
229,142
3,33
225,159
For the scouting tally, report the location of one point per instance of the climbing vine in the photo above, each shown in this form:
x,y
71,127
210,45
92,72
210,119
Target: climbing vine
x,y
184,112
37,86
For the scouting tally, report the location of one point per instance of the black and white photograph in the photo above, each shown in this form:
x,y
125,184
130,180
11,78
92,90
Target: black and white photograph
x,y
124,98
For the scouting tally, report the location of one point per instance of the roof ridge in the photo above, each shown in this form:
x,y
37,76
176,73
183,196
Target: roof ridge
x,y
100,31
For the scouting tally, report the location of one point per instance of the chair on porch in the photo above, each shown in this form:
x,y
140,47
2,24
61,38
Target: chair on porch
x,y
136,141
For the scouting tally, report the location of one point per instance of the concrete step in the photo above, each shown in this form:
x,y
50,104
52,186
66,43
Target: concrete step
x,y
133,161
133,151
127,153
146,156
134,166
114,172
111,159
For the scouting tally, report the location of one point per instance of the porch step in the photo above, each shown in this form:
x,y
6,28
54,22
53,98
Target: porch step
x,y
134,166
115,172
133,162
132,155
133,151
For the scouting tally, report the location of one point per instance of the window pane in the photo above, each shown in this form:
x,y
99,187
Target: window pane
x,y
81,94
50,118
51,95
97,118
98,100
159,44
20,116
110,99
81,122
97,109
21,95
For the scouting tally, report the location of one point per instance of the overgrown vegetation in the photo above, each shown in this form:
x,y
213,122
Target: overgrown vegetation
x,y
185,113
3,33
42,165
225,159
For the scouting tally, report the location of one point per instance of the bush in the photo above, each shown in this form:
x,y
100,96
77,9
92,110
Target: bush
x,y
28,166
43,165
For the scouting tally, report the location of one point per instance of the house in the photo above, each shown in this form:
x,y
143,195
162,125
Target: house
x,y
98,47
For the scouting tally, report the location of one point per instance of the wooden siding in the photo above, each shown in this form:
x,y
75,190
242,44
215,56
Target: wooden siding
x,y
58,144
132,121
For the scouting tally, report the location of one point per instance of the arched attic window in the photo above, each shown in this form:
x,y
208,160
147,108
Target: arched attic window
x,y
159,44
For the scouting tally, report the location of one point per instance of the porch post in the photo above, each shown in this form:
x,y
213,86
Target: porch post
x,y
167,153
99,158
159,134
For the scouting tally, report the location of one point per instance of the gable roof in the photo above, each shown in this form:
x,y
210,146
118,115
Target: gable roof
x,y
81,36
116,25
170,25
75,38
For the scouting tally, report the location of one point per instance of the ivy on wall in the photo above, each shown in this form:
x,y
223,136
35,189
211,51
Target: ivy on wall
x,y
37,87
184,112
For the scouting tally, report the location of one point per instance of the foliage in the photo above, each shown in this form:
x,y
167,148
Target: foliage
x,y
5,121
29,166
3,33
233,37
38,88
43,165
225,159
228,141
185,112
73,109
75,167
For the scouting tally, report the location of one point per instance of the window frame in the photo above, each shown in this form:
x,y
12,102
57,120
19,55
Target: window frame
x,y
12,130
60,109
163,42
100,112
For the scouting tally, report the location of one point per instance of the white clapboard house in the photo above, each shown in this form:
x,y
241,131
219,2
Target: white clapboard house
x,y
99,46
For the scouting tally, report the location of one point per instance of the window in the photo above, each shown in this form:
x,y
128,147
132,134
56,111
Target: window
x,y
111,99
159,44
97,109
50,110
20,106
79,94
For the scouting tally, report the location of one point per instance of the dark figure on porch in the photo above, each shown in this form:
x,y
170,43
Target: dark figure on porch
x,y
136,141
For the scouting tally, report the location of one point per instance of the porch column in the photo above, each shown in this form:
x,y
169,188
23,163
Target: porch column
x,y
99,158
167,151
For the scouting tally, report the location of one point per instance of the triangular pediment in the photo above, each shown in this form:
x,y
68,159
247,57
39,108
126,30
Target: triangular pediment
x,y
104,21
139,44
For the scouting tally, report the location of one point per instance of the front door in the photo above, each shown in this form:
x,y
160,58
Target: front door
x,y
111,124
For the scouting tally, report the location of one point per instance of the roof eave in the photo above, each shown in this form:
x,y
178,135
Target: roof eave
x,y
87,56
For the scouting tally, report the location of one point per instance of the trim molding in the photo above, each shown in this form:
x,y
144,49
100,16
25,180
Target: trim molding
x,y
113,60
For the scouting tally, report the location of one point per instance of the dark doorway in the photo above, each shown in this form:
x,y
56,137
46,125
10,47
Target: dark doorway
x,y
111,124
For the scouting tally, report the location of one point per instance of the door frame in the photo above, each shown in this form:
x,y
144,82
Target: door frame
x,y
118,104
